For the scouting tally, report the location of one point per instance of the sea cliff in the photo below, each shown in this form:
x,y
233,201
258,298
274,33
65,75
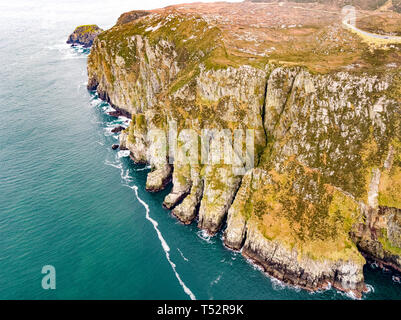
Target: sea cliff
x,y
84,35
324,191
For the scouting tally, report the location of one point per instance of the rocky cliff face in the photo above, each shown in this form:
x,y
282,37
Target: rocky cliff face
x,y
84,35
326,180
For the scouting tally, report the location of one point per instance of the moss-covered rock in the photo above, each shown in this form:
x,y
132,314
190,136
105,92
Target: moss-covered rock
x,y
84,35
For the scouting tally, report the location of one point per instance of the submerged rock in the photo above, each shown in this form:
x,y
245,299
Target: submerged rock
x,y
117,129
84,35
115,146
131,16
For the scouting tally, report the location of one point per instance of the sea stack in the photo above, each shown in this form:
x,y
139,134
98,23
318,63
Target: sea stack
x,y
84,35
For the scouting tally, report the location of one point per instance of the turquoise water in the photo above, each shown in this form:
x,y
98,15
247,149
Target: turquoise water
x,y
68,200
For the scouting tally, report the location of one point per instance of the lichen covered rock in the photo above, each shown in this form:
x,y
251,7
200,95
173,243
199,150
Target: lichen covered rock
x,y
84,35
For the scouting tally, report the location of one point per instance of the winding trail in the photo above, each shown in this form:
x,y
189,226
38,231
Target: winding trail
x,y
368,36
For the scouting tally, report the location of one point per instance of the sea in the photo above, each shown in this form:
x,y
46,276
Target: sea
x,y
69,201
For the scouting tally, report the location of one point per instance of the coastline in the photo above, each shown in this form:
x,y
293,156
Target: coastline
x,y
270,104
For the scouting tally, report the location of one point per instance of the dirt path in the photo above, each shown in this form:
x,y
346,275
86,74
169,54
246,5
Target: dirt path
x,y
367,36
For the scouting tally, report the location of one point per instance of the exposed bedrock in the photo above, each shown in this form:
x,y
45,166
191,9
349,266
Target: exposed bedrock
x,y
131,16
221,186
287,265
380,238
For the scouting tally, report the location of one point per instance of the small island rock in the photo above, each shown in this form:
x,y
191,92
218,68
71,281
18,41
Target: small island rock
x,y
84,35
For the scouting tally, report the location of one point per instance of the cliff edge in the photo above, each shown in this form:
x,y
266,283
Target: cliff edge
x,y
323,191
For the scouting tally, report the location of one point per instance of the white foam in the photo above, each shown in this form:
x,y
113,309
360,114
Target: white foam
x,y
108,108
182,255
114,165
123,119
143,169
396,279
164,244
107,131
67,52
123,153
277,284
125,176
215,281
205,236
95,101
371,289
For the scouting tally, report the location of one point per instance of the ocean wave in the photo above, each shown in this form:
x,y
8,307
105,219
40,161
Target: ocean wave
x,y
108,108
123,119
182,255
114,165
144,168
125,176
371,289
216,281
123,153
277,285
255,266
67,52
202,234
95,102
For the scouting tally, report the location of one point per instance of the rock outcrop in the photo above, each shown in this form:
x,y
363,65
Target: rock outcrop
x,y
84,35
131,16
320,187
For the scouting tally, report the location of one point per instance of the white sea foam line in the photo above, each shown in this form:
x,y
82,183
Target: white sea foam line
x,y
182,255
123,153
127,178
142,169
123,119
164,245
